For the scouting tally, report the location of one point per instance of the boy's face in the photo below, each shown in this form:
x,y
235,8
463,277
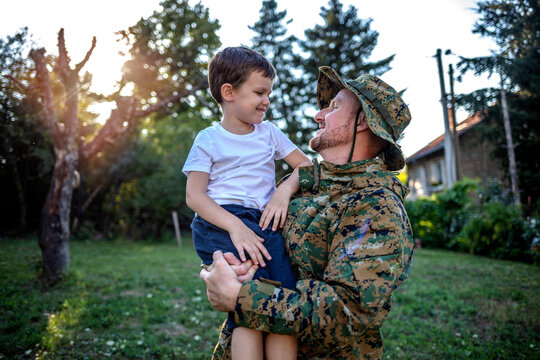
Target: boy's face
x,y
250,100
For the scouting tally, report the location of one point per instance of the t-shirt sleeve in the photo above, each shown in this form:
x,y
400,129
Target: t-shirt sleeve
x,y
284,146
199,158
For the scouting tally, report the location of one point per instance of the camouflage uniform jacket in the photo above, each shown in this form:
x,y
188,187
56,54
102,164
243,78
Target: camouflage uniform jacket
x,y
350,243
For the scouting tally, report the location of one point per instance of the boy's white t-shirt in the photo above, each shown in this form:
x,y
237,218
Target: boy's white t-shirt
x,y
241,167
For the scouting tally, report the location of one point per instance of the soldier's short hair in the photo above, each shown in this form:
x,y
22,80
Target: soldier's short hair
x,y
233,65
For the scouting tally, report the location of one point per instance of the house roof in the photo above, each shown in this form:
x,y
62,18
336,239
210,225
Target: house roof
x,y
438,143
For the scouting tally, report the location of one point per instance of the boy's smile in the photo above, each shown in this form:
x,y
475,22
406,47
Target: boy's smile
x,y
247,104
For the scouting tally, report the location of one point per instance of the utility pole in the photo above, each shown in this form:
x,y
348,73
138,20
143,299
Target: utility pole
x,y
455,134
510,146
450,163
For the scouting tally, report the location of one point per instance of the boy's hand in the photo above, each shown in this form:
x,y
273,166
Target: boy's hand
x,y
276,209
245,240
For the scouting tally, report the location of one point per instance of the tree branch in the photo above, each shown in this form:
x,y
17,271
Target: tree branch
x,y
80,65
62,63
19,83
47,102
114,127
163,103
211,107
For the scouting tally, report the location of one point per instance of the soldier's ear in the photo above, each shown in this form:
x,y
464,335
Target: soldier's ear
x,y
227,92
362,124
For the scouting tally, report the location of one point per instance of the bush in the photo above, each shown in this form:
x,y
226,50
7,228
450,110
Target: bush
x,y
497,231
439,219
476,219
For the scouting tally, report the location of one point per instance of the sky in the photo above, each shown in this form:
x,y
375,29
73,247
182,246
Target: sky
x,y
413,30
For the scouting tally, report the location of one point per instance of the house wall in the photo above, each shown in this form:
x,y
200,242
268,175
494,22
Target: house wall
x,y
426,176
475,158
475,161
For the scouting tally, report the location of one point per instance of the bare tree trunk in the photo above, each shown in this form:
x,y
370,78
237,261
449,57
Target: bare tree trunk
x,y
510,146
53,236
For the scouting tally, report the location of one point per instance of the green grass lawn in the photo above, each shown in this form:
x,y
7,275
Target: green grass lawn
x,y
126,300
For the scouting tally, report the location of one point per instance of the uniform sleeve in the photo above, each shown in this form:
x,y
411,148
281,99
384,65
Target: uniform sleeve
x,y
199,157
284,146
371,249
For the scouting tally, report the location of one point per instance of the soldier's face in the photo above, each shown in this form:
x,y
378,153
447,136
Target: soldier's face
x,y
335,122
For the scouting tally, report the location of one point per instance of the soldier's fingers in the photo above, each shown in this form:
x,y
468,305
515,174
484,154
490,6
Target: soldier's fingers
x,y
231,259
249,274
204,274
242,268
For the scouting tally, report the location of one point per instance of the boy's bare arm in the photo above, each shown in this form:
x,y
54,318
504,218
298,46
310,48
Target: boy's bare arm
x,y
276,208
243,238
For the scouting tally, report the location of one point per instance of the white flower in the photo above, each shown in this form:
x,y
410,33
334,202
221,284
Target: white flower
x,y
196,338
110,343
149,295
28,352
139,342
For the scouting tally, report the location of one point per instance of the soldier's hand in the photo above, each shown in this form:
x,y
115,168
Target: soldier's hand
x,y
222,284
243,270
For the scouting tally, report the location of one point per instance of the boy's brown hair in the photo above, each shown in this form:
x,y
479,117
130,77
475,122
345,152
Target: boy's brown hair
x,y
233,65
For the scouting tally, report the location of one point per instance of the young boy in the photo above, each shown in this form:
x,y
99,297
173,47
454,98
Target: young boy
x,y
231,185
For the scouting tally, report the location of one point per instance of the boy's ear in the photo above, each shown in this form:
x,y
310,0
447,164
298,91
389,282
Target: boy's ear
x,y
362,122
227,92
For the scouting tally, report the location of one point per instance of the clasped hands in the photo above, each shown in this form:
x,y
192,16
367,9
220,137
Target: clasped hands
x,y
224,278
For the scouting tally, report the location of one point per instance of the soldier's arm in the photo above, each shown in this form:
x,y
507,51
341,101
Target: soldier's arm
x,y
371,249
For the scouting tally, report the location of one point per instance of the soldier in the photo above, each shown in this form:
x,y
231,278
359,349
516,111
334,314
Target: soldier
x,y
347,232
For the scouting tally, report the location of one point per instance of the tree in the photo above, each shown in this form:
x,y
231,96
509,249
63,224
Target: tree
x,y
153,92
25,154
344,42
514,26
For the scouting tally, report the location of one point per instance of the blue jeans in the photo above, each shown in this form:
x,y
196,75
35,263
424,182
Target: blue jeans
x,y
208,238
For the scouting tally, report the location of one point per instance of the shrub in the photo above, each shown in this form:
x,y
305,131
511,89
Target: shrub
x,y
497,231
438,220
476,219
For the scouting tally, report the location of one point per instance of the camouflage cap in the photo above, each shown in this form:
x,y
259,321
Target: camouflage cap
x,y
386,113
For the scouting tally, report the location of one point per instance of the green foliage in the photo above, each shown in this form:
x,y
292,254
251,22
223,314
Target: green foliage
x,y
26,156
438,220
477,219
154,185
129,300
513,26
344,42
170,50
497,231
